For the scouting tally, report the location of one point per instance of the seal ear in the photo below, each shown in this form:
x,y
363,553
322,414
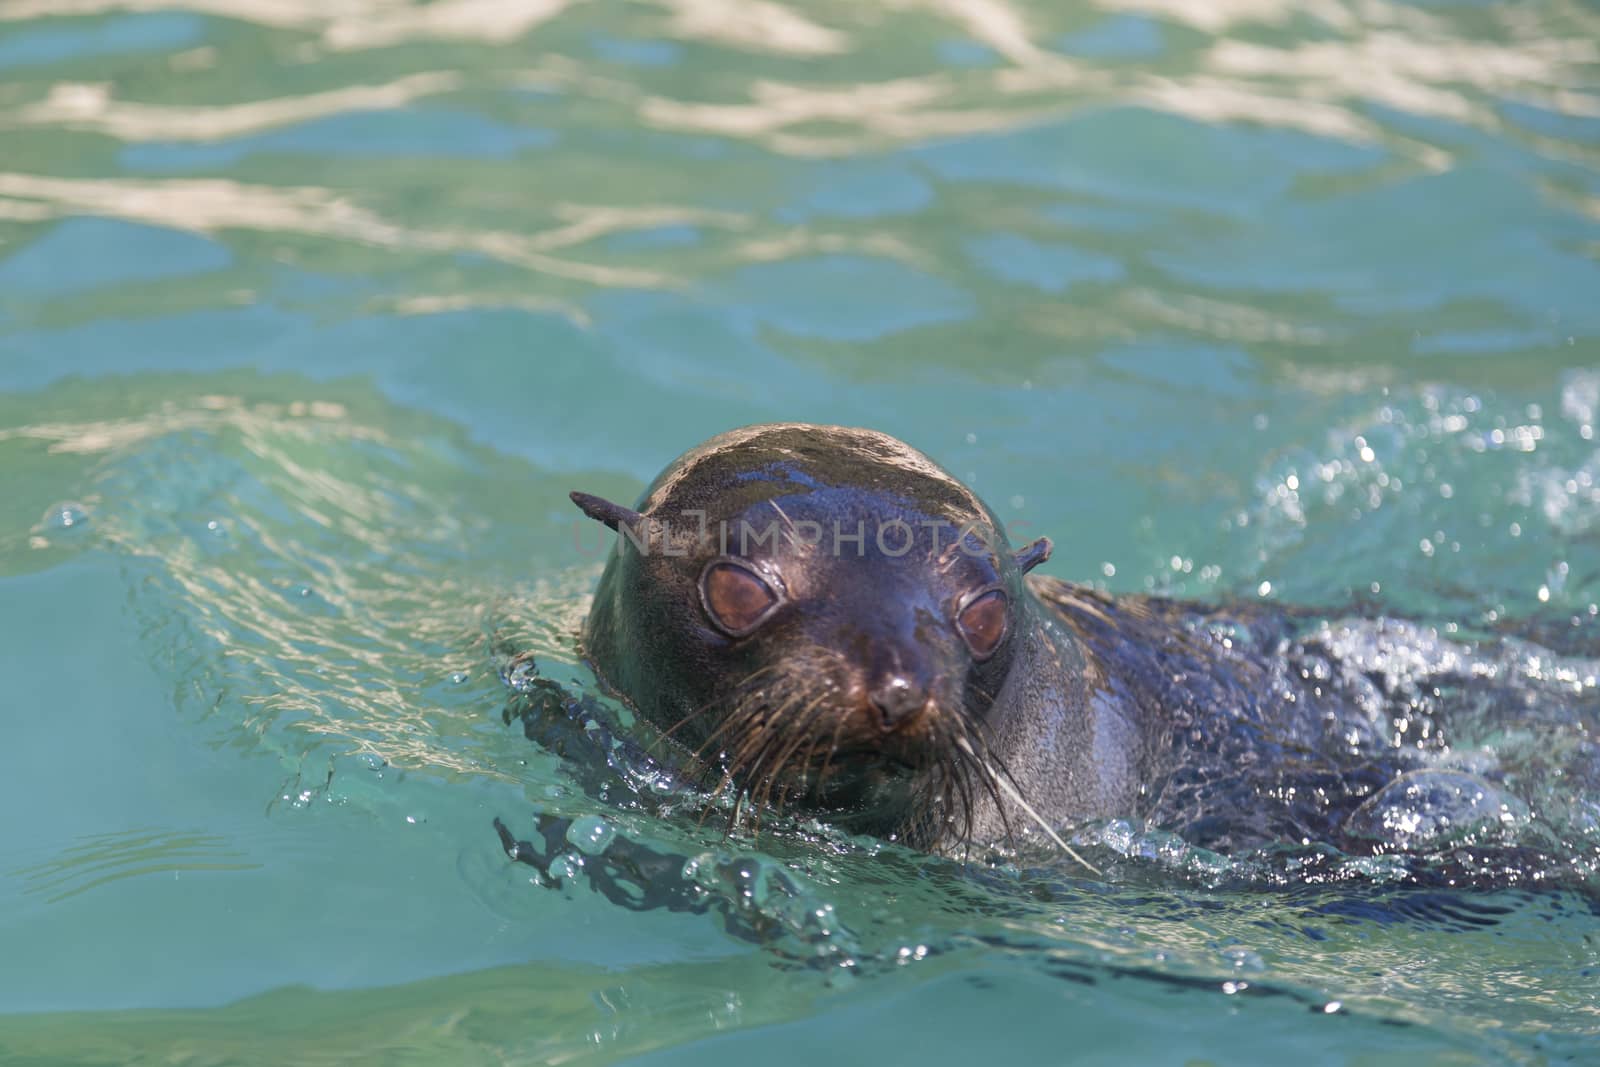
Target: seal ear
x,y
1032,554
602,510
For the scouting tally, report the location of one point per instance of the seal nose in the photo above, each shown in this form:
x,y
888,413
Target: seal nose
x,y
898,701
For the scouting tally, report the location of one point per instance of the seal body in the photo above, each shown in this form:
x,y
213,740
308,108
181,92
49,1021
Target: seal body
x,y
827,620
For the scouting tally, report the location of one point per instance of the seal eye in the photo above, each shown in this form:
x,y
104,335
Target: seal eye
x,y
736,598
983,623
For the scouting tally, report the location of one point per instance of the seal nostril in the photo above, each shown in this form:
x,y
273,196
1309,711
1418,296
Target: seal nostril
x,y
897,701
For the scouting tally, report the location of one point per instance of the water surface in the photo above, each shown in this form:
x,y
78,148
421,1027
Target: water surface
x,y
311,313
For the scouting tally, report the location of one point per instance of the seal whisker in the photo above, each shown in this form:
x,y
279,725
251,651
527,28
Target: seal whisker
x,y
715,701
758,731
801,733
833,750
958,772
794,533
988,767
738,720
773,775
759,784
764,738
807,762
958,779
749,738
734,726
1016,798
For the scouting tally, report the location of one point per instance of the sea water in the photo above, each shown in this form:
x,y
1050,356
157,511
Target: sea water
x,y
312,313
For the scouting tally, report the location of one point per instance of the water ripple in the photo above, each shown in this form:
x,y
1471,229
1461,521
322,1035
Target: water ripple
x,y
106,858
1243,297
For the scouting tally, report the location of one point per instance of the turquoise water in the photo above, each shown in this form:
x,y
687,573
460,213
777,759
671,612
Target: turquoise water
x,y
312,312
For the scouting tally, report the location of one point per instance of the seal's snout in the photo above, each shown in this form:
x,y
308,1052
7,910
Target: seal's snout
x,y
899,702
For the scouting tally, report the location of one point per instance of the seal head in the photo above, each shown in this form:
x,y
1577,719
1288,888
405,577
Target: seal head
x,y
826,618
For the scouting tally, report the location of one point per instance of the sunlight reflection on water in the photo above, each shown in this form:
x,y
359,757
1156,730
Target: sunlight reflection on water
x,y
311,312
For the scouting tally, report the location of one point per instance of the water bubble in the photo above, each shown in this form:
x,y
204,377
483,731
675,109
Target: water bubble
x,y
1430,806
522,675
1244,959
457,677
591,835
565,867
910,953
65,516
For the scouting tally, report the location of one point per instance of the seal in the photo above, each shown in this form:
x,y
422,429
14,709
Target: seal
x,y
835,615
828,620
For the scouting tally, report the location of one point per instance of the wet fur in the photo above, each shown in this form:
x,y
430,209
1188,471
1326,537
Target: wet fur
x,y
1235,726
